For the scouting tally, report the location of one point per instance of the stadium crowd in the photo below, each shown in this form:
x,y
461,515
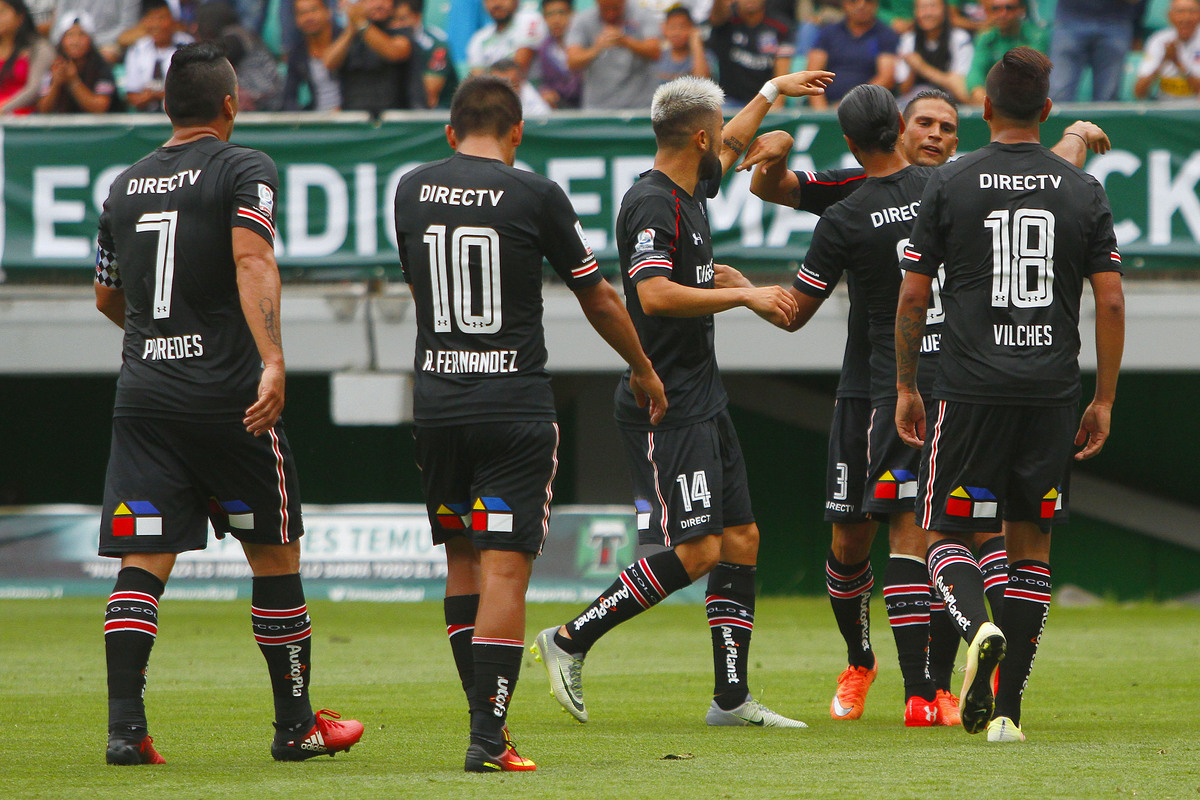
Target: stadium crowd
x,y
105,56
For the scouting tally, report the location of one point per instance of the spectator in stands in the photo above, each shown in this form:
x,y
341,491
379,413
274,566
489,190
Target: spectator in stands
x,y
25,59
512,34
1007,28
934,55
80,80
371,57
290,34
1095,34
147,60
559,85
42,14
616,48
432,78
860,49
813,15
310,85
112,18
751,48
260,86
1171,57
532,104
684,53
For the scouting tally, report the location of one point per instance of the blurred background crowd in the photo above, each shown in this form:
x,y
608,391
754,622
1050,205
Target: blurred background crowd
x,y
108,56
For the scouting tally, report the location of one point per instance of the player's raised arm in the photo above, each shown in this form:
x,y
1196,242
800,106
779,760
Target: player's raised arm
x,y
259,290
740,130
772,181
606,312
1079,138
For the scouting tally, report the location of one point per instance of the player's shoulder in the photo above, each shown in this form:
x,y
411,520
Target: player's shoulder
x,y
418,173
650,198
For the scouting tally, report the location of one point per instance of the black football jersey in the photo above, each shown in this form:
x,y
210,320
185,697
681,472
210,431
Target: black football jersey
x,y
1018,229
165,239
472,233
819,191
865,236
663,231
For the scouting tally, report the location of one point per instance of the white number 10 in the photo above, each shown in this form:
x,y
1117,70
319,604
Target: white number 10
x,y
487,242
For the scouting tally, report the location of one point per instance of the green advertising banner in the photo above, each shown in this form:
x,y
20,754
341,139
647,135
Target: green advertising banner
x,y
338,176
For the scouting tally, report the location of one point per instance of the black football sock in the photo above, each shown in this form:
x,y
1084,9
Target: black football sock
x,y
956,576
283,631
906,596
730,610
460,611
993,563
849,587
130,627
497,667
639,586
1026,605
943,642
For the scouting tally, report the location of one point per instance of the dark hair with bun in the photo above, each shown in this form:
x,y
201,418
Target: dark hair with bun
x,y
869,118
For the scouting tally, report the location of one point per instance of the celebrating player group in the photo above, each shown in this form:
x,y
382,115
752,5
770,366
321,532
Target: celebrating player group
x,y
955,420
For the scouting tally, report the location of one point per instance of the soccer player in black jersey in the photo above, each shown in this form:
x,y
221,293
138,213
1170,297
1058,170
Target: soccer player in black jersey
x,y
472,232
929,138
689,477
185,264
1018,230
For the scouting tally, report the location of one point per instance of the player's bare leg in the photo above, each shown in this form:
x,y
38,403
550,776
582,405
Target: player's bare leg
x,y
497,648
1026,605
849,580
130,628
283,630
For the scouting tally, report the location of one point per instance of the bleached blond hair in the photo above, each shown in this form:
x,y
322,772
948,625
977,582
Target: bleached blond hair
x,y
683,106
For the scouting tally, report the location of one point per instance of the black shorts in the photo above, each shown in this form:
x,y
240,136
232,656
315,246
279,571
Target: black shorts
x,y
846,469
688,482
167,479
892,466
984,464
491,481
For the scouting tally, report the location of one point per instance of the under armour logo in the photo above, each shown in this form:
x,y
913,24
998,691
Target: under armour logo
x,y
697,238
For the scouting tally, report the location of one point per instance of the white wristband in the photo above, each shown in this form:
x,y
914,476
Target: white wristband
x,y
769,91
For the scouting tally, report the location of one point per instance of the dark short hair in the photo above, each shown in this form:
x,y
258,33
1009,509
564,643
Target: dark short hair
x,y
484,104
929,94
869,118
570,3
415,6
198,81
154,5
1019,84
678,10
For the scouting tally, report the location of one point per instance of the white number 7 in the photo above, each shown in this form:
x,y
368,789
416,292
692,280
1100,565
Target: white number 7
x,y
163,223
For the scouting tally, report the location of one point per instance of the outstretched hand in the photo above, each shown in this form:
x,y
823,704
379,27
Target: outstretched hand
x,y
803,83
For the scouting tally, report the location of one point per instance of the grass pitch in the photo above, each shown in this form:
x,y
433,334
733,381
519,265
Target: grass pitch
x,y
1109,711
